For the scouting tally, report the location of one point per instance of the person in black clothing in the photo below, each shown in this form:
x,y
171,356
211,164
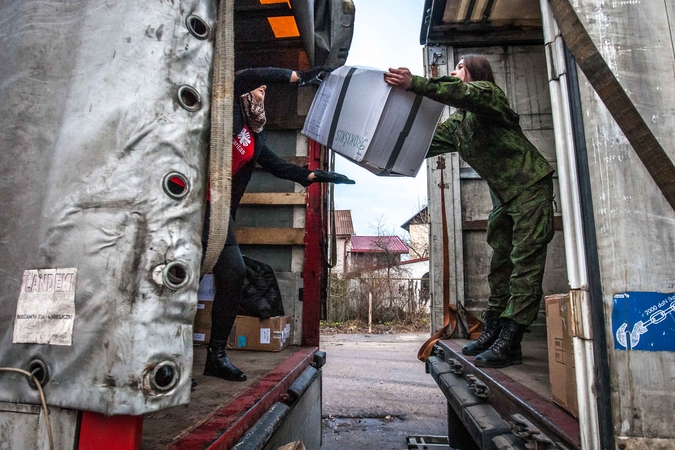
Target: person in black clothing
x,y
249,149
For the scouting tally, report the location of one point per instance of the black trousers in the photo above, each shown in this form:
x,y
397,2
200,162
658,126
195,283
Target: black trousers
x,y
229,273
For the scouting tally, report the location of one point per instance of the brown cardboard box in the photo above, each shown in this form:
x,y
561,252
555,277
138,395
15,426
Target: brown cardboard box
x,y
560,355
251,333
201,331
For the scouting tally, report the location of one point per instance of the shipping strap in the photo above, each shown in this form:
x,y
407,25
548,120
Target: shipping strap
x,y
338,106
624,112
331,258
450,312
403,135
220,154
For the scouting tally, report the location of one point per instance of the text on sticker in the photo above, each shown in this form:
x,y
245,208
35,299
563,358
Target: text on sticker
x,y
48,282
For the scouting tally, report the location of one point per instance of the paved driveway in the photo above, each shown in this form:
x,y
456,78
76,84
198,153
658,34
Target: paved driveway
x,y
376,393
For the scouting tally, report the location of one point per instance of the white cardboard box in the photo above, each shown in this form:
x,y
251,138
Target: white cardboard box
x,y
383,129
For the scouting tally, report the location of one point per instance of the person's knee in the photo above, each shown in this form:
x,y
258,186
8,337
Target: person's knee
x,y
230,268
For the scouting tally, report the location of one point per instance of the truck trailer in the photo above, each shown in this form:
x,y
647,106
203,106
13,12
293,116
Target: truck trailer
x,y
565,66
104,104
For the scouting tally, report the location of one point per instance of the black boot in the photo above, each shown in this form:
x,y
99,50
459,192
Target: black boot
x,y
489,335
219,365
506,349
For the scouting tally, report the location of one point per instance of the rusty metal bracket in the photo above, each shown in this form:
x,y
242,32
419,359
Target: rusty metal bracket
x,y
457,367
478,387
524,429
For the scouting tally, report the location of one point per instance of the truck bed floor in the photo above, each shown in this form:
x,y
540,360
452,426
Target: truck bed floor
x,y
522,389
163,428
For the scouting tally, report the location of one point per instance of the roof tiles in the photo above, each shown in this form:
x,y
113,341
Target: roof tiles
x,y
378,244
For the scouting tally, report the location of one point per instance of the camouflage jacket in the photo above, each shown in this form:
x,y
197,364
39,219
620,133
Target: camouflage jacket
x,y
486,133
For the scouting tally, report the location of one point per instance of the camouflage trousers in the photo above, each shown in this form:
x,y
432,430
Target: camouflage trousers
x,y
519,232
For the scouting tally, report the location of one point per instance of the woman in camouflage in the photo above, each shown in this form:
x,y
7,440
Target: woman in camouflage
x,y
487,134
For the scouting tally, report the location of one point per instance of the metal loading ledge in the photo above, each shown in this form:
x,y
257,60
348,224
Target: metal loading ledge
x,y
479,399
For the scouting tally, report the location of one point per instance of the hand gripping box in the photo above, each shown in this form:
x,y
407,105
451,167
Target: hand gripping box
x,y
383,129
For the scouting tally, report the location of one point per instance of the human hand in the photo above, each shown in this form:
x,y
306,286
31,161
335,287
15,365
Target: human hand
x,y
400,77
314,75
321,176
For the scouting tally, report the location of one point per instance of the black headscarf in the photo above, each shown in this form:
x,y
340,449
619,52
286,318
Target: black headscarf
x,y
247,80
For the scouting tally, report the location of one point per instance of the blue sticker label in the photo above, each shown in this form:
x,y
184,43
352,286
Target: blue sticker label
x,y
241,341
644,321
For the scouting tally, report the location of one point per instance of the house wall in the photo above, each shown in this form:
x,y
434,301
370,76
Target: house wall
x,y
419,240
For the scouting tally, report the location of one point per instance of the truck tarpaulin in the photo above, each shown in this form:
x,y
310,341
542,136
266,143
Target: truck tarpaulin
x,y
102,103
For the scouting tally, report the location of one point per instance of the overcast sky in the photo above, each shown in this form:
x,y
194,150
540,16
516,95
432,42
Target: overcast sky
x,y
386,34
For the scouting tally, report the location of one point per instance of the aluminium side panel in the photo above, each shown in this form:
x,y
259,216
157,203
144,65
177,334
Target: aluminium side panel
x,y
633,221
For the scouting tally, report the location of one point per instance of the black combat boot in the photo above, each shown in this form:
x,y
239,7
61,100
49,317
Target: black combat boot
x,y
489,335
219,365
506,349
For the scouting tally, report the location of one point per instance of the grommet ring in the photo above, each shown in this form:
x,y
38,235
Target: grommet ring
x,y
176,275
197,27
164,376
176,185
39,370
189,98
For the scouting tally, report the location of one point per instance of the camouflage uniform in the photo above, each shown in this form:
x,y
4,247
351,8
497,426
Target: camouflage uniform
x,y
487,134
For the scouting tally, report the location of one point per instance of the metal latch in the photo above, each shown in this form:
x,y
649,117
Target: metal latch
x,y
437,54
478,387
524,429
457,367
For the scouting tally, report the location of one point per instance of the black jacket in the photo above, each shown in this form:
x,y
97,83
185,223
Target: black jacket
x,y
269,161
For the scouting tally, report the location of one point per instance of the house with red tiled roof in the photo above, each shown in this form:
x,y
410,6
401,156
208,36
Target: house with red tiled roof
x,y
371,251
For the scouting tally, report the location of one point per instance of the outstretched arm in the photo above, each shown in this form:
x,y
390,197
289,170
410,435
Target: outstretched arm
x,y
281,169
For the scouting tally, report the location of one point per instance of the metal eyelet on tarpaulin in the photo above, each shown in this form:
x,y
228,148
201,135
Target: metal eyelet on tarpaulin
x,y
189,98
87,196
197,27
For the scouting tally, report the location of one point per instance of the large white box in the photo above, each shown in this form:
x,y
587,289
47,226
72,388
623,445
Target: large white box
x,y
383,129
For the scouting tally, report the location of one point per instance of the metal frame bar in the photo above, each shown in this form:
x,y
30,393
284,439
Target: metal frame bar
x,y
228,424
315,272
509,397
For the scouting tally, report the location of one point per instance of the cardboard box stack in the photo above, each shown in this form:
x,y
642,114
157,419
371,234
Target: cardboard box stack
x,y
201,332
560,355
248,333
383,129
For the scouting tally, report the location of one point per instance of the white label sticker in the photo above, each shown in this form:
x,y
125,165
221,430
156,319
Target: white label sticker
x,y
198,336
207,290
45,312
265,336
286,333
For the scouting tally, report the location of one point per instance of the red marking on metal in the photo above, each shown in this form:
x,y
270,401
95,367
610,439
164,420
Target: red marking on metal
x,y
314,272
508,397
227,425
112,433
